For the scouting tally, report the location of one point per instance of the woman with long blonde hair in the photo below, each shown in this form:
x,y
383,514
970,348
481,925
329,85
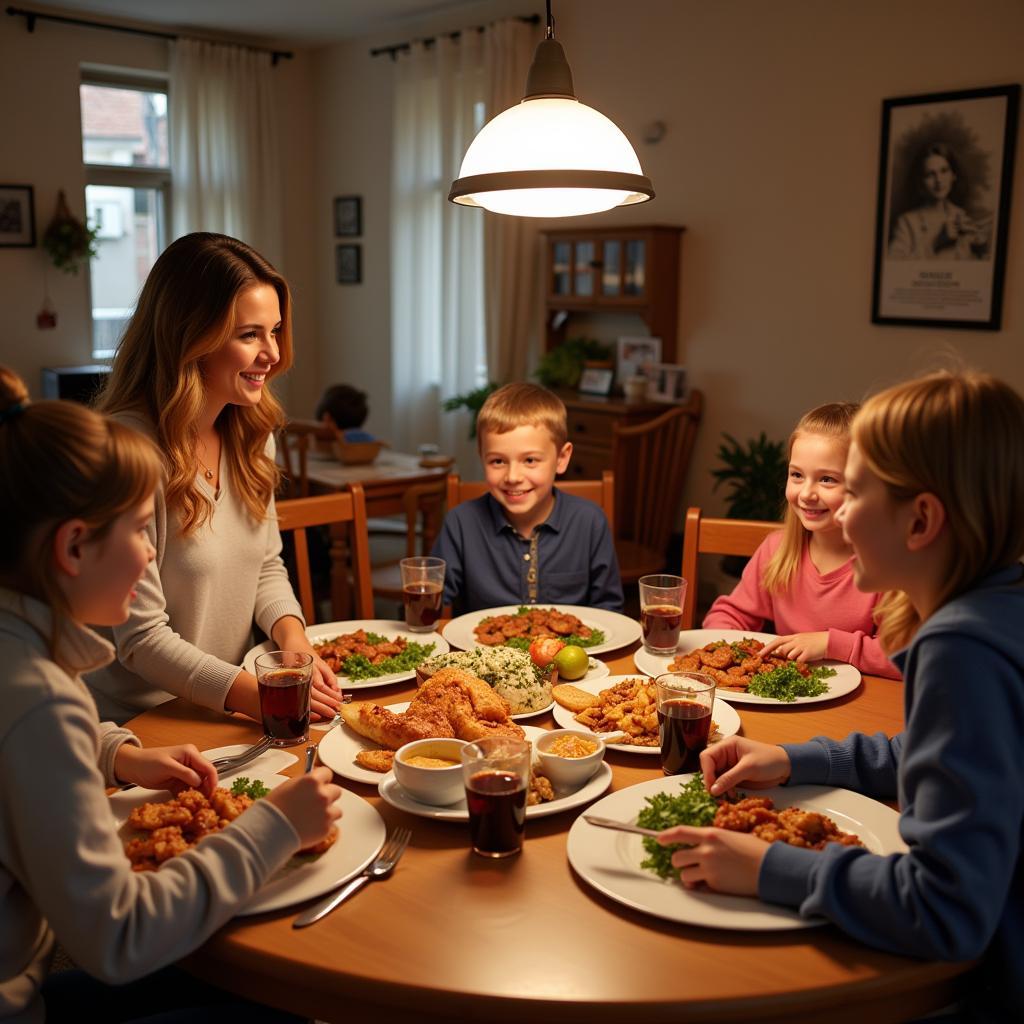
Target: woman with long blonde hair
x,y
801,577
211,330
933,509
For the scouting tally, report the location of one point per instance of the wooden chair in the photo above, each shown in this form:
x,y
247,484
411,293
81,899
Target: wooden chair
x,y
423,505
716,537
294,440
346,507
650,462
601,492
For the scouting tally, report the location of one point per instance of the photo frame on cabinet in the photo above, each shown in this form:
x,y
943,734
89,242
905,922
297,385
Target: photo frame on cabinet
x,y
348,264
348,216
944,182
596,380
633,354
666,382
17,217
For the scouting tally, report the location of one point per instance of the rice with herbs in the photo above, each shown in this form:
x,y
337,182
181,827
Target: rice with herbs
x,y
511,673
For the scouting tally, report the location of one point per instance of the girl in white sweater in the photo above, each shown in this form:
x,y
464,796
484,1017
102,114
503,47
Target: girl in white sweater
x,y
78,497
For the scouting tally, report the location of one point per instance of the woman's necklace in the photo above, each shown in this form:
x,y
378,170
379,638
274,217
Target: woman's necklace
x,y
207,472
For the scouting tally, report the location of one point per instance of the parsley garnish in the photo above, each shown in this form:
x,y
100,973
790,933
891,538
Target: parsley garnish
x,y
358,666
692,805
242,786
785,683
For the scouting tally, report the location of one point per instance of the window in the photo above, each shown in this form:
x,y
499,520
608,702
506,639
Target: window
x,y
125,151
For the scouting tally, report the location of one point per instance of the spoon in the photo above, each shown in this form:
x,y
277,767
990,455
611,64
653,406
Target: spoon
x,y
310,756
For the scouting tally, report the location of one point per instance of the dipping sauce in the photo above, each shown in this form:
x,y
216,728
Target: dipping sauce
x,y
572,746
419,761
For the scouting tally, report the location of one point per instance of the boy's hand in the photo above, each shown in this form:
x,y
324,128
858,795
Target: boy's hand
x,y
174,768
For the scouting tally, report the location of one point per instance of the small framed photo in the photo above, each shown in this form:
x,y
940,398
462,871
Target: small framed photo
x,y
348,216
666,382
17,217
944,180
596,380
348,264
634,354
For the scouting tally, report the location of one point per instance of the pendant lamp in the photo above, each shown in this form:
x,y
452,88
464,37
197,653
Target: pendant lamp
x,y
550,156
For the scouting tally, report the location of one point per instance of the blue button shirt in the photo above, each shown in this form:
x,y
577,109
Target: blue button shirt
x,y
569,560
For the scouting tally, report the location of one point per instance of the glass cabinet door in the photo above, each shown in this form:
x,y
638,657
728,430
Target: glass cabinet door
x,y
611,270
634,276
583,283
561,282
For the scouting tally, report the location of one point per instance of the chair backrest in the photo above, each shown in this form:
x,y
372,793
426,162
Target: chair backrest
x,y
601,492
293,442
298,514
424,501
650,462
716,537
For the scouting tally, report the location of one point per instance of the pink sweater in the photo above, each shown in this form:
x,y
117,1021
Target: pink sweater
x,y
813,602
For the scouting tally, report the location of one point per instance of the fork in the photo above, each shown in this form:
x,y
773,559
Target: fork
x,y
381,867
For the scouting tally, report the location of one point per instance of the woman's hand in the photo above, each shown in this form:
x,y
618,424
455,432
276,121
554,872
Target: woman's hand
x,y
173,768
737,761
309,802
723,860
799,646
325,694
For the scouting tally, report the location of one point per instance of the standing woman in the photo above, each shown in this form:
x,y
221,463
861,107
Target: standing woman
x,y
211,329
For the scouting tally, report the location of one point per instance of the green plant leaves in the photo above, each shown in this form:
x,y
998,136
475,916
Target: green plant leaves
x,y
755,475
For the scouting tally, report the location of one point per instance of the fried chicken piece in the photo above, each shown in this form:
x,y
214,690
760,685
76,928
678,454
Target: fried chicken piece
x,y
163,844
470,705
376,760
393,731
227,805
324,845
540,790
193,801
150,817
204,822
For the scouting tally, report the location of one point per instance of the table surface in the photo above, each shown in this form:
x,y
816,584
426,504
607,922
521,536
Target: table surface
x,y
454,936
388,467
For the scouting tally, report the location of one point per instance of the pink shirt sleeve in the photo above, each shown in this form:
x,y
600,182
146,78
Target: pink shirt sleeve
x,y
862,651
749,605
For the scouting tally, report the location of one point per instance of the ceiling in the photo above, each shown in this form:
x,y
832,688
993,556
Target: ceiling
x,y
310,22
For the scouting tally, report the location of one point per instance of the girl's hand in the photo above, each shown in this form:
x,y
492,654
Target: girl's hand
x,y
737,761
309,802
173,768
799,646
723,860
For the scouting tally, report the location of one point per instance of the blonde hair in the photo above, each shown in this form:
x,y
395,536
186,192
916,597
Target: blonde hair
x,y
959,436
830,420
184,315
523,405
61,461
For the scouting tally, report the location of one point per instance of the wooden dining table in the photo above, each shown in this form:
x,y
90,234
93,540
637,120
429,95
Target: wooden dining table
x,y
452,936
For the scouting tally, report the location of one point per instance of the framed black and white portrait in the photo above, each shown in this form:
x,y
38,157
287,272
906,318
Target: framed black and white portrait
x,y
17,217
348,264
348,216
944,182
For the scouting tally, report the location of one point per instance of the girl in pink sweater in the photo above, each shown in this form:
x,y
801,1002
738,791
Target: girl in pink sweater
x,y
801,577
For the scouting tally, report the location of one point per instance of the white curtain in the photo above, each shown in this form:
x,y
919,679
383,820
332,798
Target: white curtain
x,y
225,150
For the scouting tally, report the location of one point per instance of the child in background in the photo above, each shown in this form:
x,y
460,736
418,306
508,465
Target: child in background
x,y
801,577
934,492
78,496
526,542
344,407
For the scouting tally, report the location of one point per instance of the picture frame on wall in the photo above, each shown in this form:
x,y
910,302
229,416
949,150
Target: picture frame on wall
x,y
596,380
17,217
348,216
348,264
633,354
944,182
666,382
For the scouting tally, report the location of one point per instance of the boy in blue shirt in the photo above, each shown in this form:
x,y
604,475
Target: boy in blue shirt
x,y
526,542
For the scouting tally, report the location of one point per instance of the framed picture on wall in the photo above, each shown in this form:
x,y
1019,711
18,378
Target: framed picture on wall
x,y
944,181
348,216
348,264
17,217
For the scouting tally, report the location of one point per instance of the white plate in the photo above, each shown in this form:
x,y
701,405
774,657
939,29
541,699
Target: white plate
x,y
610,861
724,717
385,627
339,747
301,878
619,630
393,794
845,681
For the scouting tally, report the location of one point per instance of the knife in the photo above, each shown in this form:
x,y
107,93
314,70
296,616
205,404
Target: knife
x,y
621,826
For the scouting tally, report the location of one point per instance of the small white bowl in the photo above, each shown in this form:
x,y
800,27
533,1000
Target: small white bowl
x,y
568,773
436,786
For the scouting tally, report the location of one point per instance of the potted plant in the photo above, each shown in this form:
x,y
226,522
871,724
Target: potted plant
x,y
755,474
68,241
563,365
471,401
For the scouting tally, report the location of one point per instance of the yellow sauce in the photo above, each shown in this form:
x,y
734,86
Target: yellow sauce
x,y
572,746
419,761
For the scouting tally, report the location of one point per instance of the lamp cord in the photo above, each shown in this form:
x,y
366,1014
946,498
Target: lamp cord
x,y
550,32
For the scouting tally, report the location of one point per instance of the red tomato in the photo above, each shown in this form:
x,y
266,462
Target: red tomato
x,y
543,649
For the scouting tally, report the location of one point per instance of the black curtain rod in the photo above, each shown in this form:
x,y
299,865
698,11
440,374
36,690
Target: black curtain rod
x,y
31,17
393,51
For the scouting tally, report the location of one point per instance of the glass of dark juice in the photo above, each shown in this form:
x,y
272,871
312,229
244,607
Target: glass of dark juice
x,y
496,771
685,702
422,591
284,679
661,611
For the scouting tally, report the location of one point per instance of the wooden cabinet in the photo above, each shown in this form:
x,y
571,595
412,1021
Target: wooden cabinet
x,y
609,270
590,430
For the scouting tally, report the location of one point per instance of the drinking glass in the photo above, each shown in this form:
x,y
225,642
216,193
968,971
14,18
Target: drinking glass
x,y
661,612
284,679
496,771
422,591
685,701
